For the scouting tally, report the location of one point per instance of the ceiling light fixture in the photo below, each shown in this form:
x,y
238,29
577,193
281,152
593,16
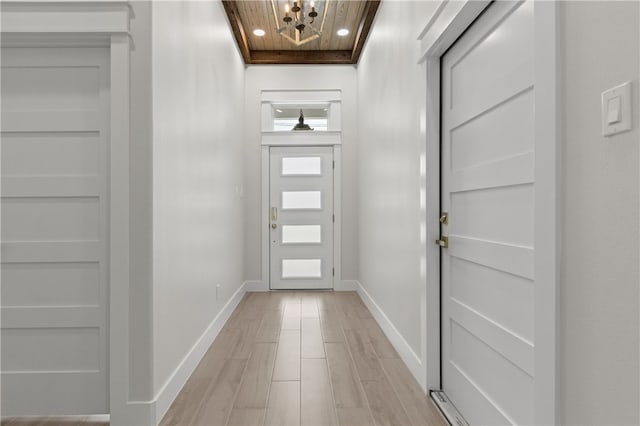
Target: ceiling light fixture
x,y
259,32
342,32
295,21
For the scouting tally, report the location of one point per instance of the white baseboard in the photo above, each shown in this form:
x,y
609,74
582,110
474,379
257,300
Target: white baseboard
x,y
181,374
256,286
410,358
346,285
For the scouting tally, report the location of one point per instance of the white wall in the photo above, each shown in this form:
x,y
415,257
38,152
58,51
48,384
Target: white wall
x,y
198,84
303,77
599,375
390,182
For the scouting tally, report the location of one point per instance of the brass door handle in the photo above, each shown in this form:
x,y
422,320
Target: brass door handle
x,y
274,217
443,242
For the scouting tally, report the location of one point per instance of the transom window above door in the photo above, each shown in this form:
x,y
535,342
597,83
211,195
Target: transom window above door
x,y
321,111
285,117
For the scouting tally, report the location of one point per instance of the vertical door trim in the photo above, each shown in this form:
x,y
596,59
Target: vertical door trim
x,y
448,23
264,284
547,160
119,255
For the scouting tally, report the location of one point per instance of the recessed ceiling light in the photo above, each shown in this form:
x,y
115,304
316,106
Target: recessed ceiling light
x,y
258,32
342,32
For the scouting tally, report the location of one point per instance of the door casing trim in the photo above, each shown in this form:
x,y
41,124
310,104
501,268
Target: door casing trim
x,y
450,20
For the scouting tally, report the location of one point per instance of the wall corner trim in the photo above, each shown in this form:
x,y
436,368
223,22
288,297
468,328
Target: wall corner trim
x,y
183,371
407,354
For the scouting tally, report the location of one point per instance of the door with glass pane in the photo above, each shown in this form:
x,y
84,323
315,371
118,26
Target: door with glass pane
x,y
301,217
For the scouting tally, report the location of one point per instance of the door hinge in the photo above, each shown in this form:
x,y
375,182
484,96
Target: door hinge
x,y
333,164
334,217
333,271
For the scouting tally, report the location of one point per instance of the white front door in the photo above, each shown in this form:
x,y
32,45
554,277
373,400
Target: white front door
x,y
488,91
55,112
301,218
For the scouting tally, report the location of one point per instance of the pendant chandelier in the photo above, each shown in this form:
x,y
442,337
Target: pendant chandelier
x,y
295,26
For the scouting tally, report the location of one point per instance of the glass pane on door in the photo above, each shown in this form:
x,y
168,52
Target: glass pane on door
x,y
301,166
301,234
301,268
301,200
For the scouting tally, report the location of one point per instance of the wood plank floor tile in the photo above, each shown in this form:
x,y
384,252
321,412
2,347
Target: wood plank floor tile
x,y
347,390
312,345
288,297
326,301
246,417
269,330
316,398
364,357
309,307
287,367
242,346
417,405
219,351
291,317
380,343
217,401
284,404
354,417
256,379
330,325
183,408
351,302
235,316
385,405
349,319
266,300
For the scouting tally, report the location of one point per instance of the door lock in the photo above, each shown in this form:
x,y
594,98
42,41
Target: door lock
x,y
443,242
274,225
444,218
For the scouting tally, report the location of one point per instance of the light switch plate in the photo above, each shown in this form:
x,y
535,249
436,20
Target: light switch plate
x,y
614,122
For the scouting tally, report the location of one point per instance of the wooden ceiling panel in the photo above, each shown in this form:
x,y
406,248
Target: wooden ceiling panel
x,y
247,15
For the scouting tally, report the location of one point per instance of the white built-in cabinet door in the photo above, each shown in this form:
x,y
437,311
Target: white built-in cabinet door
x,y
54,227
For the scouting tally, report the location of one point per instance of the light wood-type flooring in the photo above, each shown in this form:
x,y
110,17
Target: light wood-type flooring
x,y
301,358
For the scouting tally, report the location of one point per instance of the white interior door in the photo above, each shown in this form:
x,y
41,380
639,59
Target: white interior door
x,y
54,225
488,190
301,217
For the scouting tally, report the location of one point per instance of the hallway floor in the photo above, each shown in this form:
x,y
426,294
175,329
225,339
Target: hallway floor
x,y
301,358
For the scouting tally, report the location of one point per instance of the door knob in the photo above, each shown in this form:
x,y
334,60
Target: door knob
x,y
444,218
